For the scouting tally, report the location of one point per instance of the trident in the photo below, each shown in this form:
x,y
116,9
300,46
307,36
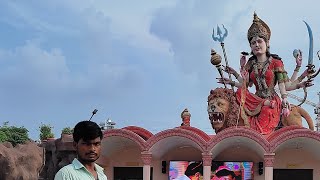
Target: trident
x,y
220,39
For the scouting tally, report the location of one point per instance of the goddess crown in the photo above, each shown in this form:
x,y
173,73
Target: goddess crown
x,y
258,28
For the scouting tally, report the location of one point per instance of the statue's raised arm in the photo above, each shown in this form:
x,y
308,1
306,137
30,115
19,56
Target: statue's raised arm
x,y
297,83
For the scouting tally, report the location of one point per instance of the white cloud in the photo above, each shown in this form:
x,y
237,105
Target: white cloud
x,y
149,58
34,65
130,22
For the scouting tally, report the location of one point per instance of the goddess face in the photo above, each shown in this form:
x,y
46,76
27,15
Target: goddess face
x,y
258,46
217,111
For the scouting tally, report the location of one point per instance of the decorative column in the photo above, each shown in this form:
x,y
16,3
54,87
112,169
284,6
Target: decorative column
x,y
268,164
206,161
146,158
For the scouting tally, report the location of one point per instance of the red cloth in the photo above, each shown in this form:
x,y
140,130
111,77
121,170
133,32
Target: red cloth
x,y
268,118
275,65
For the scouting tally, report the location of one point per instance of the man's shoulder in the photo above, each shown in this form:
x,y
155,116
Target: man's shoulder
x,y
69,167
65,172
98,167
100,170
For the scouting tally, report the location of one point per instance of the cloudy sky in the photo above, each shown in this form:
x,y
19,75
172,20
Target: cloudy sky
x,y
138,62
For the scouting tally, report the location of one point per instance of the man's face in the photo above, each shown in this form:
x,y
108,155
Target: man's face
x,y
173,173
88,151
197,176
217,110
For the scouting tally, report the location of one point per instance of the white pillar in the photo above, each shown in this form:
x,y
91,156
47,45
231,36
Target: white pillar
x,y
146,172
206,172
268,164
269,173
207,161
146,158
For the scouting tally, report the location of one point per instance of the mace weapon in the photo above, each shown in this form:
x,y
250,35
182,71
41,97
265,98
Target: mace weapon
x,y
221,39
216,61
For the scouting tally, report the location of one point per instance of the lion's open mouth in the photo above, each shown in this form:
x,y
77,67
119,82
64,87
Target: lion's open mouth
x,y
216,117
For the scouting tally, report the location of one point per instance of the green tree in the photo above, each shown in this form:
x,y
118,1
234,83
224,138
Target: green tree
x,y
3,136
67,130
46,131
14,135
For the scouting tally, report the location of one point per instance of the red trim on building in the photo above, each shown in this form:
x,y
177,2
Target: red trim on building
x,y
145,134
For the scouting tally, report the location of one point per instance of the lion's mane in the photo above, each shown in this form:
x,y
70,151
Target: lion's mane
x,y
233,112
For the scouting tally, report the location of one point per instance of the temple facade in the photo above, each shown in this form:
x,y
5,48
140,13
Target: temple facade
x,y
289,151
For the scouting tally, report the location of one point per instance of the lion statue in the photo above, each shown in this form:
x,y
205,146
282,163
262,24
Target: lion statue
x,y
223,109
295,117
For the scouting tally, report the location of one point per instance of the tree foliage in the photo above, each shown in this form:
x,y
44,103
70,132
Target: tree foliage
x,y
67,130
14,135
46,131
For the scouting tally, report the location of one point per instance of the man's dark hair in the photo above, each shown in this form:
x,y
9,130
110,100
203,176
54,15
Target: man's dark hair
x,y
225,172
86,130
215,165
193,168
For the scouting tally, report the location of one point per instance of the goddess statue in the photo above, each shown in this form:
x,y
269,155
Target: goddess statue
x,y
264,70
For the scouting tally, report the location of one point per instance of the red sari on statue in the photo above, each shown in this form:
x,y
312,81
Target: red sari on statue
x,y
262,118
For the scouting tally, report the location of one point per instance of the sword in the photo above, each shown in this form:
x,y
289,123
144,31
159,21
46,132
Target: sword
x,y
310,65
